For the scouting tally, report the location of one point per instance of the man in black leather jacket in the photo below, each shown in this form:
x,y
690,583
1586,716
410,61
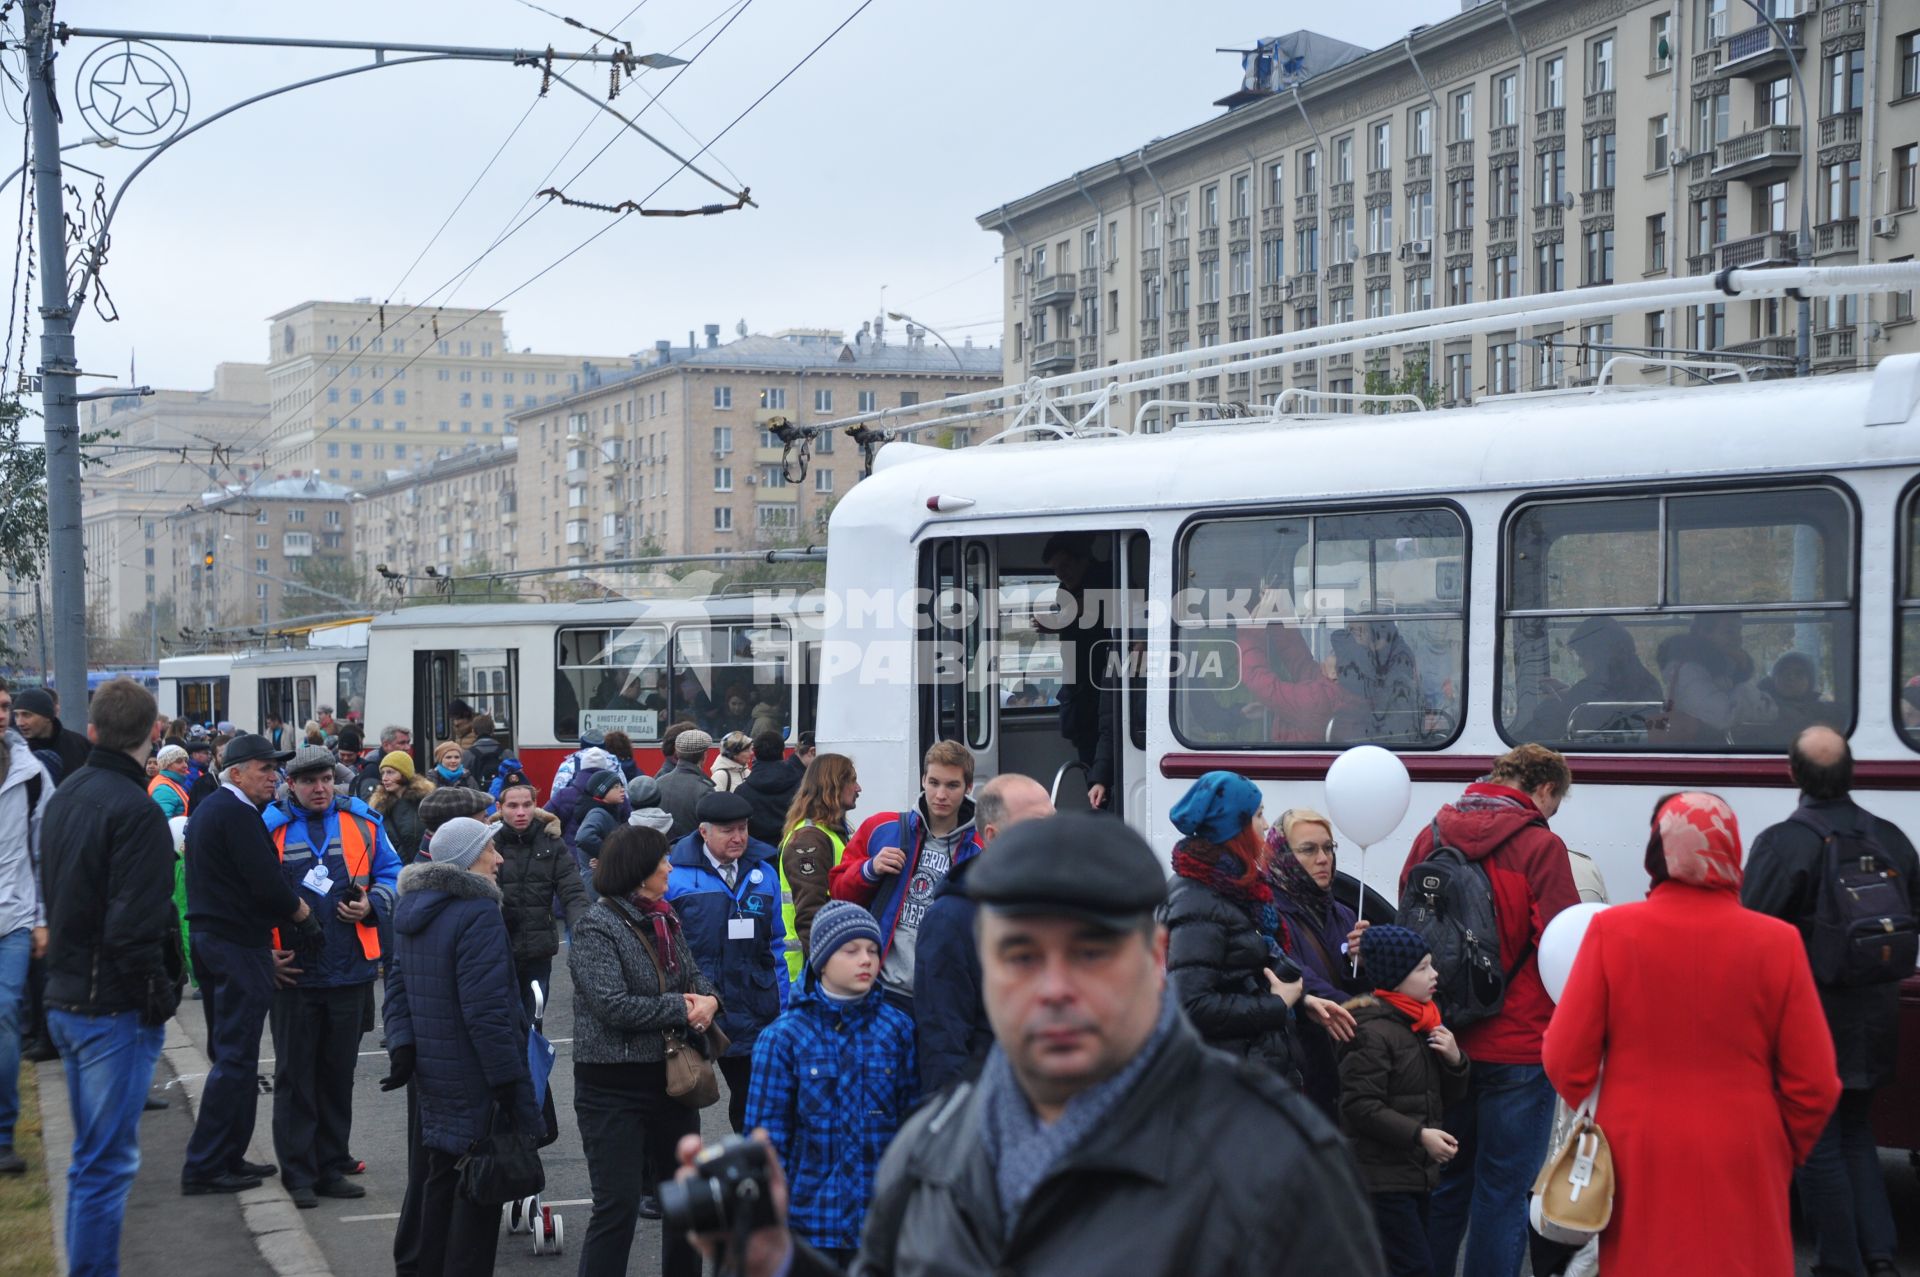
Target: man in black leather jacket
x,y
1102,1136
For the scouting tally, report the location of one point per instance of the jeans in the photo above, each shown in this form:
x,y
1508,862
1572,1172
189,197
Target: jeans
x,y
458,1238
1503,1126
623,1128
1843,1192
109,1061
1402,1220
237,986
316,1044
16,947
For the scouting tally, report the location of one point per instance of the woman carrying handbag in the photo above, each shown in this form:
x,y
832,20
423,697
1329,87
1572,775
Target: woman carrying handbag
x,y
638,998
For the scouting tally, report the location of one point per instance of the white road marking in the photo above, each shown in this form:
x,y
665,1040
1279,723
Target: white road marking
x,y
375,1219
268,1059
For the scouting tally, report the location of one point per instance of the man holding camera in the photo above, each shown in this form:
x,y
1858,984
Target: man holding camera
x,y
334,853
1101,1136
236,899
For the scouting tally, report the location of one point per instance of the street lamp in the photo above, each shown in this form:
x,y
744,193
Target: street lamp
x,y
92,141
1803,249
909,319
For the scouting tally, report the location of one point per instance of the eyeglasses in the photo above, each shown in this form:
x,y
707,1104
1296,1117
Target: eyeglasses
x,y
1312,849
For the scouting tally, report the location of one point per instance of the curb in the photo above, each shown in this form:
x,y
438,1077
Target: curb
x,y
274,1222
279,1234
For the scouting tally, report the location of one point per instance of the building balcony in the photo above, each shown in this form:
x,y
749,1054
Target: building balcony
x,y
1340,195
1596,203
1837,130
1548,217
1149,330
1052,356
1089,280
1342,362
1842,236
1089,348
1274,218
1773,248
1777,352
1601,105
1178,248
1504,229
1835,343
1757,50
1551,122
1273,375
1419,168
1380,182
1378,264
1209,239
1209,314
1340,274
1459,242
1239,305
1051,290
1240,229
1459,155
1238,383
1700,263
1149,261
1274,294
1843,19
1503,139
1708,60
1307,205
1760,153
1177,321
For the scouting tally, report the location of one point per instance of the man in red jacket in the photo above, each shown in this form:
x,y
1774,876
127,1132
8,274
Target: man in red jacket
x,y
1507,1117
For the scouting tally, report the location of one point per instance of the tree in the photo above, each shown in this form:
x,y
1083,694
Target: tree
x,y
1411,381
335,581
23,509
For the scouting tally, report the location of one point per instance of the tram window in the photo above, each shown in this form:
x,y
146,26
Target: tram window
x,y
732,678
609,679
350,691
1321,630
203,701
1908,657
485,682
1028,660
1687,622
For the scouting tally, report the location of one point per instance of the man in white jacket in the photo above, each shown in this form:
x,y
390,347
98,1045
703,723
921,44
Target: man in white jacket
x,y
24,790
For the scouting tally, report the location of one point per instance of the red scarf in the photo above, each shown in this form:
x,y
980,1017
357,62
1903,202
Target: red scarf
x,y
665,923
1425,1015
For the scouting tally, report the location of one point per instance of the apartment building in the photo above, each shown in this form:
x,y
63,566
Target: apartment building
x,y
359,388
1530,147
240,554
675,457
449,514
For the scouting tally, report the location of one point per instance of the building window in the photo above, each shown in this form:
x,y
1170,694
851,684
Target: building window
x,y
1506,99
1210,206
823,481
1600,162
1843,190
1553,82
723,396
869,401
1846,81
723,478
1600,65
1421,140
1713,20
1276,184
1909,46
1461,117
1659,43
823,443
1503,368
1460,284
1343,159
723,518
1656,243
1242,197
1906,165
1657,143
1550,267
1382,147
1709,326
1310,172
908,398
823,401
1657,331
773,397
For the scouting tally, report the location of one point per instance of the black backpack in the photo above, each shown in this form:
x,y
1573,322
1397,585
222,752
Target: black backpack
x,y
1448,899
1863,928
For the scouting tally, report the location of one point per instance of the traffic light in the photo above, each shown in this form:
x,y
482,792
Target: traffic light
x,y
207,560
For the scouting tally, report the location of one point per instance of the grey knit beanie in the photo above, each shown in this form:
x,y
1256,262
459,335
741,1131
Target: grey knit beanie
x,y
459,842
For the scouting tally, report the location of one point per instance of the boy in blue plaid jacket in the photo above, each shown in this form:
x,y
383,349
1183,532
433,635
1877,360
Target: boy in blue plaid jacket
x,y
833,1080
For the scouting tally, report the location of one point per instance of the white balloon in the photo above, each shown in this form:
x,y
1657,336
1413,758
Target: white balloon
x,y
1560,945
1368,790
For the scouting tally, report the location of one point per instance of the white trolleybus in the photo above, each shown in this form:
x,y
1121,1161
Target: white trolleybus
x,y
546,673
1665,583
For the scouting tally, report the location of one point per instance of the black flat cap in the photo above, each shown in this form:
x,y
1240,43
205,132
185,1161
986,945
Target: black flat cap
x,y
722,809
1079,865
246,747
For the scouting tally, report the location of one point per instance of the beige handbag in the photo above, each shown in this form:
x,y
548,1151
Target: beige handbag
x,y
1572,1199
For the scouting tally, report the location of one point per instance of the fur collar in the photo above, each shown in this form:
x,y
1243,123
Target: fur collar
x,y
424,875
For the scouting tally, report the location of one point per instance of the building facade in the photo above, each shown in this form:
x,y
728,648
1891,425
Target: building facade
x,y
676,457
1535,147
453,513
358,388
240,555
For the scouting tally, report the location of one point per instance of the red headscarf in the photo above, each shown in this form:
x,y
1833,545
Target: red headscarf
x,y
1700,839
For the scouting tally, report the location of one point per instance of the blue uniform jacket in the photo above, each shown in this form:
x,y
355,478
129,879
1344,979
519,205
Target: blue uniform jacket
x,y
833,1082
341,960
750,968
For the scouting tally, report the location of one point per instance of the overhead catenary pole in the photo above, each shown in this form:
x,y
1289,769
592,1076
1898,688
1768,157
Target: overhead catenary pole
x,y
66,558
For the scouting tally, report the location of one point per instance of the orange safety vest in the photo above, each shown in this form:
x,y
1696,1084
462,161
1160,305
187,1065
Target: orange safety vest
x,y
174,785
353,849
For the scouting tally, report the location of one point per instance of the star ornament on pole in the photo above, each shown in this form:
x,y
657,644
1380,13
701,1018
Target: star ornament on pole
x,y
134,91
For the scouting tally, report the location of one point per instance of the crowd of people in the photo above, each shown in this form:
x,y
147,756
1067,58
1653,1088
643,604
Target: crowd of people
x,y
974,1034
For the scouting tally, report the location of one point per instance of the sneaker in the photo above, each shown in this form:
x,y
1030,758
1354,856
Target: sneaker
x,y
339,1188
11,1163
303,1196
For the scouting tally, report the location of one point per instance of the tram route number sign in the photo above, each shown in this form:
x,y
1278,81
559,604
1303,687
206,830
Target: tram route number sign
x,y
638,724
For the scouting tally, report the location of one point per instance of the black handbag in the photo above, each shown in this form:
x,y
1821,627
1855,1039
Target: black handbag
x,y
501,1166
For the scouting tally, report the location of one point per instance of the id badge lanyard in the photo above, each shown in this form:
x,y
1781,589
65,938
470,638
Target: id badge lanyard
x,y
739,920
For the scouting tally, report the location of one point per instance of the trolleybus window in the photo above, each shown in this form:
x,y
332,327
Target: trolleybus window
x,y
611,680
1321,630
350,691
1693,621
732,678
1908,657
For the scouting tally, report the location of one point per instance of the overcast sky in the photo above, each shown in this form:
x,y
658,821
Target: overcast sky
x,y
870,164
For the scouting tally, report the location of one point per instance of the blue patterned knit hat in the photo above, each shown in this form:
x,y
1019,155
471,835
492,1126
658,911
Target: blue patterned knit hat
x,y
838,922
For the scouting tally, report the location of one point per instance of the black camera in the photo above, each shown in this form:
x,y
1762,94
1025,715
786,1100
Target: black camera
x,y
727,1192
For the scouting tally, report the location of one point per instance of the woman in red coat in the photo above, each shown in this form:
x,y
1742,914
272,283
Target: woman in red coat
x,y
1719,1074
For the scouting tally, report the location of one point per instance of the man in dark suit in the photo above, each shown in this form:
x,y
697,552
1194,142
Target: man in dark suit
x,y
236,898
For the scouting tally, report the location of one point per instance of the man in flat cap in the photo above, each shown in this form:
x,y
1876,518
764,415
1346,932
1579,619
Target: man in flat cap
x,y
335,854
236,898
1102,1136
725,885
